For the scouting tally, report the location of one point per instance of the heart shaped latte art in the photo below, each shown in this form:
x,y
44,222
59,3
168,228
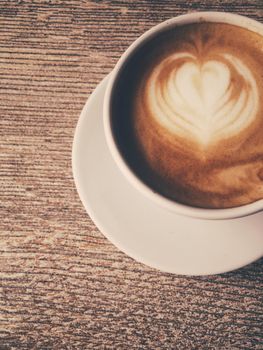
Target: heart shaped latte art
x,y
206,101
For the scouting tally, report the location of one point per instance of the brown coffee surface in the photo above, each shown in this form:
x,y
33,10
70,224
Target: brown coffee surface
x,y
188,114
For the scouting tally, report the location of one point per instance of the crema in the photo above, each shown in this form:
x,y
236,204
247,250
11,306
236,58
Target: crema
x,y
188,110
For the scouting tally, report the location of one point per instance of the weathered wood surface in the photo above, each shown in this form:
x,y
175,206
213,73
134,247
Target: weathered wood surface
x,y
63,285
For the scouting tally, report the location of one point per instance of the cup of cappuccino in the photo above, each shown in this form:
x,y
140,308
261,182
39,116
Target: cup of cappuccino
x,y
183,115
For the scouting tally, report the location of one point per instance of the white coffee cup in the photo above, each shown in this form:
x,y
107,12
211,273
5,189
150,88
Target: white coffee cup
x,y
196,17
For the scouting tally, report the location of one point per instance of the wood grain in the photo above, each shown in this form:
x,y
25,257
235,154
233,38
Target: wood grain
x,y
63,285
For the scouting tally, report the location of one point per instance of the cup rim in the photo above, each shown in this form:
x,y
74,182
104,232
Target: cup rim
x,y
179,208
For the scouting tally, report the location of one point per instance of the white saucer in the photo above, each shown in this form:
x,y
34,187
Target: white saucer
x,y
143,230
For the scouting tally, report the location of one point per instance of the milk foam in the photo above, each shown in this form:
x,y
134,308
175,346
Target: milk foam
x,y
188,111
205,100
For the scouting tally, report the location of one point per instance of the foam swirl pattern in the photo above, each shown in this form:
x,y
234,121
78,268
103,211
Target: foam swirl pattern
x,y
193,98
202,100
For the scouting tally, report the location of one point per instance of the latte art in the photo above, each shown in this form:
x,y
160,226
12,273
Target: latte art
x,y
188,111
206,101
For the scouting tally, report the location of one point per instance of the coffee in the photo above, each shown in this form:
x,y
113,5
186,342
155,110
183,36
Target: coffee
x,y
187,114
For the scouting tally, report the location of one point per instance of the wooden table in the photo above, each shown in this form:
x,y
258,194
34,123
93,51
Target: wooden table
x,y
63,284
